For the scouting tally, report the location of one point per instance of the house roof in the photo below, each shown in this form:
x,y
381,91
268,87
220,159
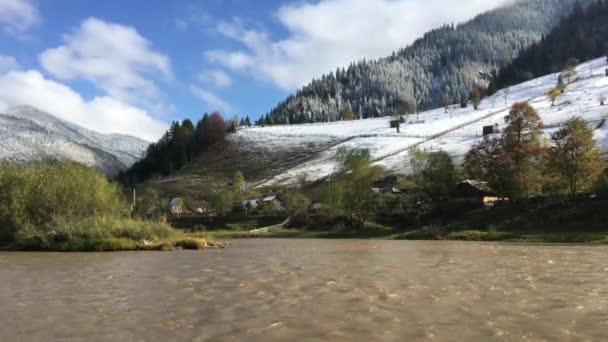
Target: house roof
x,y
175,202
480,186
269,198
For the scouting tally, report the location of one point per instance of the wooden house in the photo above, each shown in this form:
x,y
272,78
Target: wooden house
x,y
492,129
477,192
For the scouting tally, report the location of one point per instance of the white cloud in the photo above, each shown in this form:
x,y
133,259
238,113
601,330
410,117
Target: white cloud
x,y
18,16
217,77
193,17
115,58
235,60
103,114
212,100
330,33
8,63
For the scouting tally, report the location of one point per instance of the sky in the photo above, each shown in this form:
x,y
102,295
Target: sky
x,y
133,66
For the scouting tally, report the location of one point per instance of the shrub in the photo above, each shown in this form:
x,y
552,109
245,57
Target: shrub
x,y
67,206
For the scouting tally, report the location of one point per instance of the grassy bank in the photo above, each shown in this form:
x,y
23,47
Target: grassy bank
x,y
69,207
426,233
568,222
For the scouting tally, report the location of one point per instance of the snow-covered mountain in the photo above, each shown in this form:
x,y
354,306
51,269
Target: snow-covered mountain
x,y
454,132
28,134
445,62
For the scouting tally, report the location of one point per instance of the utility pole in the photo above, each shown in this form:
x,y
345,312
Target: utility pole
x,y
329,189
134,200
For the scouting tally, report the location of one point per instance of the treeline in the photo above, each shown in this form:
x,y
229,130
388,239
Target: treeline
x,y
519,165
582,35
179,145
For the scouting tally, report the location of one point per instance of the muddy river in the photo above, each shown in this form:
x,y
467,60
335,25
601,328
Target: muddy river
x,y
309,290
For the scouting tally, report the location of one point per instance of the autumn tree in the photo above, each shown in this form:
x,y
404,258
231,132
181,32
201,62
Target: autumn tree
x,y
214,129
553,95
569,71
357,200
438,175
575,156
523,150
238,184
349,115
404,108
445,99
484,162
476,97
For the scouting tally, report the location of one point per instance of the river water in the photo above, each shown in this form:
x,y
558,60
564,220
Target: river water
x,y
309,290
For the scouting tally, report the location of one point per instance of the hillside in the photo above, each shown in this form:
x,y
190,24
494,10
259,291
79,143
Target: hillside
x,y
285,154
29,134
448,61
582,35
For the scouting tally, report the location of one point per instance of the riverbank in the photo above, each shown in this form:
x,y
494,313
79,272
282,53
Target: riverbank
x,y
427,233
568,222
180,241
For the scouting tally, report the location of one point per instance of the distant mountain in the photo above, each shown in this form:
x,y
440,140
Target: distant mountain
x,y
28,134
448,61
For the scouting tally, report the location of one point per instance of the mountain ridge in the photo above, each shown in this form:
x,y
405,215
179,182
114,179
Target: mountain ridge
x,y
30,134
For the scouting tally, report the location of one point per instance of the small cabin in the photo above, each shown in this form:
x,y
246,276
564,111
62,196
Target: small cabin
x,y
396,122
272,202
487,130
477,192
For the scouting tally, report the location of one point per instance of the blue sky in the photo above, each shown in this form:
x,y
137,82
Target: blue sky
x,y
132,66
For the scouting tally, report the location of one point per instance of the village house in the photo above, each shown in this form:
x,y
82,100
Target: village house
x,y
492,129
272,202
387,185
477,192
396,122
250,204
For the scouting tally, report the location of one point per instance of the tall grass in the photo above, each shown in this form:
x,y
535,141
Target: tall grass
x,y
67,206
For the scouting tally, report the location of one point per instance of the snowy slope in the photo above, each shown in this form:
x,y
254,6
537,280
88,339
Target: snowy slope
x,y
454,132
27,134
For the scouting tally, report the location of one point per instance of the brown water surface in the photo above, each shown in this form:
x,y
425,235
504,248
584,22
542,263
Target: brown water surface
x,y
309,290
